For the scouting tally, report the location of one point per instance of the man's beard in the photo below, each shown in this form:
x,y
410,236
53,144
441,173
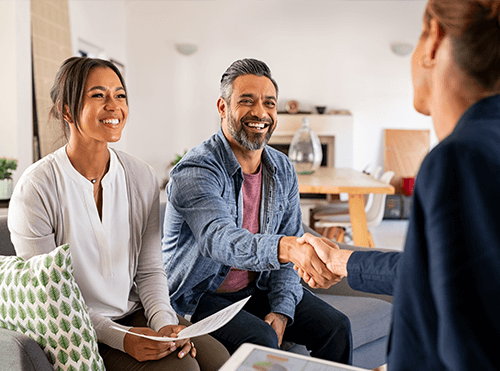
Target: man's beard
x,y
250,141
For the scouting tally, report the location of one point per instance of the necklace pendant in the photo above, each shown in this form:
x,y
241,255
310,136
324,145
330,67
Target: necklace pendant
x,y
93,181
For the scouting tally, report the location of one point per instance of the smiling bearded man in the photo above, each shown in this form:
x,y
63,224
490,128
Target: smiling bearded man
x,y
231,229
253,141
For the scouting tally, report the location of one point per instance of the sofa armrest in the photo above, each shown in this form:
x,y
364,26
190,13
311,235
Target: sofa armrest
x,y
20,352
342,288
6,247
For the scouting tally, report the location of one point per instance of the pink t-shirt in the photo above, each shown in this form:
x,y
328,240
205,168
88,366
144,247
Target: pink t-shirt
x,y
238,279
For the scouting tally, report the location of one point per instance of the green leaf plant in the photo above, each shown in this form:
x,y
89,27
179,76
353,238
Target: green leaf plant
x,y
6,165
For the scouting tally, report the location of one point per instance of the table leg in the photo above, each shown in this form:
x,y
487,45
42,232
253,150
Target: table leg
x,y
360,234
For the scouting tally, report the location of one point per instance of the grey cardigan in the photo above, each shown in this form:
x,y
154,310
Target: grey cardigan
x,y
36,227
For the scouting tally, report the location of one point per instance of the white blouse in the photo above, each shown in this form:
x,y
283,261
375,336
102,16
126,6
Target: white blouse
x,y
99,249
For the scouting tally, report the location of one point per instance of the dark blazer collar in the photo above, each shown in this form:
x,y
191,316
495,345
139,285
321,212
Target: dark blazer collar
x,y
485,109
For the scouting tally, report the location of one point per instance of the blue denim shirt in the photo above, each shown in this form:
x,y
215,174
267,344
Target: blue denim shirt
x,y
203,234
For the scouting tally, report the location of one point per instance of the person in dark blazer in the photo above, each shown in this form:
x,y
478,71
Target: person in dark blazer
x,y
446,284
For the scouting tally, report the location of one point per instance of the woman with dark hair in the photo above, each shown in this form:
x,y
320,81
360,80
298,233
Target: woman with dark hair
x,y
446,284
105,204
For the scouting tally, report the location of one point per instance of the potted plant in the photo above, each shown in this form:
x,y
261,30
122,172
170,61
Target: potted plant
x,y
170,166
6,183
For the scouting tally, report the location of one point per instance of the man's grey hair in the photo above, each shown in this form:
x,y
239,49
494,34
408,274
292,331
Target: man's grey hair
x,y
243,67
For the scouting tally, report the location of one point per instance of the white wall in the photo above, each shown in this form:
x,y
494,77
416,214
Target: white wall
x,y
101,24
8,104
16,121
333,53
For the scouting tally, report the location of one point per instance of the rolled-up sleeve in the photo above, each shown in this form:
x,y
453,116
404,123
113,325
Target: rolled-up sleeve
x,y
196,193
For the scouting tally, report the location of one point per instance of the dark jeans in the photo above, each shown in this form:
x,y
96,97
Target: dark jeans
x,y
324,331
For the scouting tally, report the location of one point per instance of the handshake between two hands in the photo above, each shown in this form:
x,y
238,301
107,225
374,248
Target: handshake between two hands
x,y
318,260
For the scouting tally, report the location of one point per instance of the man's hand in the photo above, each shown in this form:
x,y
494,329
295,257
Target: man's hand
x,y
304,257
278,323
329,252
145,349
312,283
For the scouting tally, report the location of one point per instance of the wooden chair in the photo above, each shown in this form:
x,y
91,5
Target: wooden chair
x,y
339,208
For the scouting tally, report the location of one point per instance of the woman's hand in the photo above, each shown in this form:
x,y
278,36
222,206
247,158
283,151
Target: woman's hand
x,y
186,345
145,349
303,255
329,252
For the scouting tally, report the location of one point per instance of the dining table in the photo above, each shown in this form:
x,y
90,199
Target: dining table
x,y
331,180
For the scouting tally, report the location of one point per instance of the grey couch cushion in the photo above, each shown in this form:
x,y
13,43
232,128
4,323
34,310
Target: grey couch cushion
x,y
370,318
20,352
6,247
371,355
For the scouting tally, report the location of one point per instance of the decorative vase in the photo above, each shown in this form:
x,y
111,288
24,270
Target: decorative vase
x,y
6,188
305,150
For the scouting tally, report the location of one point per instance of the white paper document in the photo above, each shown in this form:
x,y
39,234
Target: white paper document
x,y
203,327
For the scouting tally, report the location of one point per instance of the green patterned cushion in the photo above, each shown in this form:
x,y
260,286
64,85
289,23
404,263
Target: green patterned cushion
x,y
40,298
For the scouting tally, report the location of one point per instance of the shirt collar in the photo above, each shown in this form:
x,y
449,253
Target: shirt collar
x,y
68,168
231,163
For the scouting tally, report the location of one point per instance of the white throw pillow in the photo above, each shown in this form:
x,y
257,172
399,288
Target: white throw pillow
x,y
40,298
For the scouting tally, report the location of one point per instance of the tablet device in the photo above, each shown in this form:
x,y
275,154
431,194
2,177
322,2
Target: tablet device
x,y
251,357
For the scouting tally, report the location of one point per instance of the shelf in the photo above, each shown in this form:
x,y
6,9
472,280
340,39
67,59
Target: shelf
x,y
298,113
305,113
325,126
